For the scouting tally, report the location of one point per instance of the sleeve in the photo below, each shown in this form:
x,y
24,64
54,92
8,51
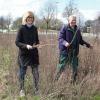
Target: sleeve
x,y
37,38
19,40
62,36
82,42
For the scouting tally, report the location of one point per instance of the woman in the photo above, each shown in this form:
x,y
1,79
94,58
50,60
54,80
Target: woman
x,y
26,38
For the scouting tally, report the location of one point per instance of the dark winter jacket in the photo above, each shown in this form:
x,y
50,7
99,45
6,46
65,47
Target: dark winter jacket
x,y
26,36
66,34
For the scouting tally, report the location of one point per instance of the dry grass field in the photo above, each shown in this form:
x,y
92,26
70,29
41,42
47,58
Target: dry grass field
x,y
88,82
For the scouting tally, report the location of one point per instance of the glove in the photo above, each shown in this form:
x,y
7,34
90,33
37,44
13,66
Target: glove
x,y
88,45
29,47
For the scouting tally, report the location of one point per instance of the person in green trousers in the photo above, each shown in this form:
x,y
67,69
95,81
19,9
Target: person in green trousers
x,y
69,40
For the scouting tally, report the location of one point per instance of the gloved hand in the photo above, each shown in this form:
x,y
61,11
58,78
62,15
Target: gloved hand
x,y
88,46
29,47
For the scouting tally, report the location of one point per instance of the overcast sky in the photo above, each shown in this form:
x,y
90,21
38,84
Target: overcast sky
x,y
89,8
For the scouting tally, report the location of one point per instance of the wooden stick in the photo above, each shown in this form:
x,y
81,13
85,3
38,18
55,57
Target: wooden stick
x,y
42,45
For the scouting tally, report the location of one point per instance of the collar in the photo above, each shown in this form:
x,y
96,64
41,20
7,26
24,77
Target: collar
x,y
69,28
29,26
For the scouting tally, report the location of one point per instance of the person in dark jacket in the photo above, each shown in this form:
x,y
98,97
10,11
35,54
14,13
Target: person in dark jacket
x,y
69,40
26,38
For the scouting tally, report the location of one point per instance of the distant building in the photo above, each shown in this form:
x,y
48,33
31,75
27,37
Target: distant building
x,y
88,29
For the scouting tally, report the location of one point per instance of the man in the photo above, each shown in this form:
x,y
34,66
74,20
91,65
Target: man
x,y
69,39
26,38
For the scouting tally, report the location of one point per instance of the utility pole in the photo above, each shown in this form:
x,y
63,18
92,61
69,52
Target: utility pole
x,y
56,14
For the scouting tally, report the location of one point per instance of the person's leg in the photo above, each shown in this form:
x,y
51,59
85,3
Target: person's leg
x,y
74,68
22,72
35,76
62,63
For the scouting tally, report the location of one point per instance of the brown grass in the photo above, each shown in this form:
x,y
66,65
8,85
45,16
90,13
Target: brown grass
x,y
88,83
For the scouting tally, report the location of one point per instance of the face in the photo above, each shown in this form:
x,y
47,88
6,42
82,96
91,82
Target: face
x,y
29,20
72,21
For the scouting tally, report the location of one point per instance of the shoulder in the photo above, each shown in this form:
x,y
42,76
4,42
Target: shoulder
x,y
22,27
34,27
78,30
64,28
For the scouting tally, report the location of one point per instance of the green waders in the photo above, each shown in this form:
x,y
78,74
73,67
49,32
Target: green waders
x,y
64,61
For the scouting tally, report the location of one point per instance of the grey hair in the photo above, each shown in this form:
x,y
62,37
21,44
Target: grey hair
x,y
71,16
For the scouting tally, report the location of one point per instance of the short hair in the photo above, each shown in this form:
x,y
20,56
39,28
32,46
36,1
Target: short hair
x,y
71,16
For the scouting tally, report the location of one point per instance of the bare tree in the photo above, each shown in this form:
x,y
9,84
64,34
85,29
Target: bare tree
x,y
8,22
56,24
70,9
95,27
80,20
48,14
17,23
2,23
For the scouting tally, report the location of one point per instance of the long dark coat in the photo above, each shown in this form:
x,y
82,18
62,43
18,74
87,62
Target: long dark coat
x,y
26,36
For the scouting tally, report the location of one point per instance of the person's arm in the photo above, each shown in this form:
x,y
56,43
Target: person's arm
x,y
19,39
62,37
37,38
82,42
